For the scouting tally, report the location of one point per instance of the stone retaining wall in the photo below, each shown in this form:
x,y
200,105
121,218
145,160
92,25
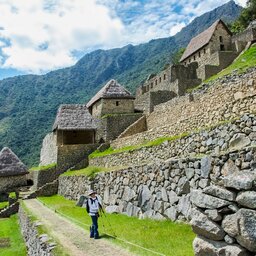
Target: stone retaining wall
x,y
223,99
215,193
37,245
41,177
160,190
237,134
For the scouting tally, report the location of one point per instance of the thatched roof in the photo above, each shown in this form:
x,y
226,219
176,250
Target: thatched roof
x,y
74,117
112,90
10,164
202,39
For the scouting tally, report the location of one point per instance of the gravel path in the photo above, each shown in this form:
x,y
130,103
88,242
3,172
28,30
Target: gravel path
x,y
73,238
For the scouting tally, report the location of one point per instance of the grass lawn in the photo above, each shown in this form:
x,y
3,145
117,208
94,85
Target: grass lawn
x,y
165,237
10,230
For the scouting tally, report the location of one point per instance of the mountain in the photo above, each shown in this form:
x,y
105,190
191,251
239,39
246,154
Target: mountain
x,y
28,103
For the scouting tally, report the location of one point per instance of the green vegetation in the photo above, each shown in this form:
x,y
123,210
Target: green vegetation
x,y
28,104
164,237
89,171
10,232
245,61
43,168
12,195
152,143
176,56
3,205
247,15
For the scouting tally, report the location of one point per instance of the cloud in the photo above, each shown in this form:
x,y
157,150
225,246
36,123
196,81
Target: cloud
x,y
41,35
177,28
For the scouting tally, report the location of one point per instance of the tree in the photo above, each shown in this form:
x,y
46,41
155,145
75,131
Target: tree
x,y
175,58
247,15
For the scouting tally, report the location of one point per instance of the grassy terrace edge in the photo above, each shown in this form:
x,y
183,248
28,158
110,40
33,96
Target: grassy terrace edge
x,y
147,233
43,167
157,141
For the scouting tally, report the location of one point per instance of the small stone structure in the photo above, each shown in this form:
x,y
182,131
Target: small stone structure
x,y
73,138
170,83
212,50
111,99
74,125
12,171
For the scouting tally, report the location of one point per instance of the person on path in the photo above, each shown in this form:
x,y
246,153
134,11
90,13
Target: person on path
x,y
93,206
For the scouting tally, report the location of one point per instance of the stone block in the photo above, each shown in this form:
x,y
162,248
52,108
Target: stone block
x,y
247,199
220,193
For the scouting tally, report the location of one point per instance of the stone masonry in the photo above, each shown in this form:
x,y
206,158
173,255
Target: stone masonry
x,y
223,99
236,134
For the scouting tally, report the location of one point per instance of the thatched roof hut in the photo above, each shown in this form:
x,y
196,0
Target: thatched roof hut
x,y
10,164
112,90
74,117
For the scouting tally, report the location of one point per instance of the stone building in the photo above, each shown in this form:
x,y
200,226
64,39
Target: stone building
x,y
72,138
247,36
74,125
111,99
212,50
13,173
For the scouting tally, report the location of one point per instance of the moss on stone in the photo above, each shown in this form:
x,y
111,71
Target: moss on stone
x,y
43,168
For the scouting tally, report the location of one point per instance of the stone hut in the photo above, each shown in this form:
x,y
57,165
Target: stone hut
x,y
212,50
111,99
74,125
12,171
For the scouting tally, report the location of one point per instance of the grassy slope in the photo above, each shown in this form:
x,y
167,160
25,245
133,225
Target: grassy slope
x,y
89,171
164,237
9,227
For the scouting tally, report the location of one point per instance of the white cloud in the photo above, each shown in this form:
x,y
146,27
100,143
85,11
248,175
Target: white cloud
x,y
42,33
177,28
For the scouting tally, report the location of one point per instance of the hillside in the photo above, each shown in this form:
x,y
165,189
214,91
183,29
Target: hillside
x,y
28,104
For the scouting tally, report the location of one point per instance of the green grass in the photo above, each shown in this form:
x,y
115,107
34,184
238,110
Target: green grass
x,y
152,143
3,204
12,195
164,237
245,61
43,168
89,171
9,228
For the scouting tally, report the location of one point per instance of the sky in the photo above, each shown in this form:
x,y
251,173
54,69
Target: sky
x,y
37,36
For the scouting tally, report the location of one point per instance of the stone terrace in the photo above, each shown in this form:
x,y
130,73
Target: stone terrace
x,y
223,99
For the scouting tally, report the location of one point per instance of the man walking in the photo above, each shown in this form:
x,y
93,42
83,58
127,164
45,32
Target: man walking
x,y
93,206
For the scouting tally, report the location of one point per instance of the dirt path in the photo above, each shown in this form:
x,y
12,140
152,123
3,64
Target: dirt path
x,y
73,238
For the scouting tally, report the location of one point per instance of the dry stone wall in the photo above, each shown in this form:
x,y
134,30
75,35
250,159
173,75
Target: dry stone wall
x,y
215,193
223,99
237,134
37,245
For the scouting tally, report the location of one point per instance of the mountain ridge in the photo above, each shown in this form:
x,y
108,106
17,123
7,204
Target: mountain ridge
x,y
28,104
